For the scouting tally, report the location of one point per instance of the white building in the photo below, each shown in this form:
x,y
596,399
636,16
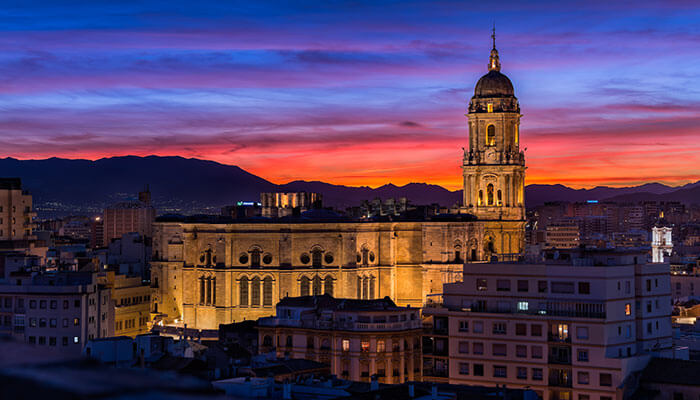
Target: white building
x,y
570,328
661,240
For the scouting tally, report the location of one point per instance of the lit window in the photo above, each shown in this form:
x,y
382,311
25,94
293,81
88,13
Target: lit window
x,y
346,345
76,339
489,107
523,306
365,345
491,135
381,346
628,309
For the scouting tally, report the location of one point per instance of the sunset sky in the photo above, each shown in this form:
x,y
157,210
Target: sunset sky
x,y
356,93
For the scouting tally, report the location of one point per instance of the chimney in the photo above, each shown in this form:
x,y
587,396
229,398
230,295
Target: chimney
x,y
374,384
411,390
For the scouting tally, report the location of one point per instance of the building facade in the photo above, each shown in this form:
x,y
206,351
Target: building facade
x,y
128,217
132,303
208,272
56,310
16,211
570,328
357,338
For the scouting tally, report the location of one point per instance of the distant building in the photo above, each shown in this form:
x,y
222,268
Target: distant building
x,y
16,211
661,240
357,338
563,235
280,204
128,217
97,232
574,326
55,310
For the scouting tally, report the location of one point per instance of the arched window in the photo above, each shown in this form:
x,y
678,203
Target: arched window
x,y
316,258
489,194
328,285
255,292
365,257
491,135
208,290
499,198
359,287
317,285
243,291
516,130
458,254
371,287
201,290
480,201
304,284
365,288
267,291
255,258
213,291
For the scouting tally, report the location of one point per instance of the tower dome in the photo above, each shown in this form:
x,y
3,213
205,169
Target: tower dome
x,y
494,91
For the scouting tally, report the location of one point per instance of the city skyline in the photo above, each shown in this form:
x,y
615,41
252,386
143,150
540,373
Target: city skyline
x,y
379,97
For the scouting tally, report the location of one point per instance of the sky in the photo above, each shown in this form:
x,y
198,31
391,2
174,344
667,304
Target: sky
x,y
357,92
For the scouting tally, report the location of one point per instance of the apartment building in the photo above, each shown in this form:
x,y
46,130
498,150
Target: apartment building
x,y
132,303
357,338
58,310
572,327
16,211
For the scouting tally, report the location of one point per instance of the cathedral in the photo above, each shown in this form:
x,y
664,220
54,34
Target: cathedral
x,y
208,272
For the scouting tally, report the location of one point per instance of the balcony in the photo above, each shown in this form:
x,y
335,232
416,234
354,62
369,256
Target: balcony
x,y
560,359
560,378
558,339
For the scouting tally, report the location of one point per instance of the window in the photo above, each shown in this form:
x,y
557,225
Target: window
x,y
648,285
582,332
464,347
32,304
310,342
243,291
542,286
64,341
523,306
328,285
346,345
535,330
54,305
522,373
478,348
648,306
499,371
562,332
464,326
381,346
53,323
52,341
648,327
364,345
523,286
481,285
255,292
464,368
536,352
583,355
499,349
304,286
32,322
42,322
521,351
605,380
267,291
42,304
628,309
584,288
76,339
583,378
537,374
563,287
503,285
42,340
521,329
65,322
32,340
499,328
491,135
478,327
478,369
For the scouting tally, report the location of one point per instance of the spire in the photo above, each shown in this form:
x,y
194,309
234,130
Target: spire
x,y
494,63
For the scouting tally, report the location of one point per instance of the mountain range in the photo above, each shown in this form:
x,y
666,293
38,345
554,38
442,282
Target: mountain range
x,y
188,184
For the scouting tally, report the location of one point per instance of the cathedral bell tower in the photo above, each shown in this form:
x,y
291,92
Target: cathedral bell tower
x,y
494,165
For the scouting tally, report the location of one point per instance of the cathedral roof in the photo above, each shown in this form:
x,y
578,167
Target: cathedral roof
x,y
494,84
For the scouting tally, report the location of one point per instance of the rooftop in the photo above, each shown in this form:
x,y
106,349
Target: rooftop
x,y
328,302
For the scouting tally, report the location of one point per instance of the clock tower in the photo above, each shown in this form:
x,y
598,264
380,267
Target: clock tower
x,y
494,165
